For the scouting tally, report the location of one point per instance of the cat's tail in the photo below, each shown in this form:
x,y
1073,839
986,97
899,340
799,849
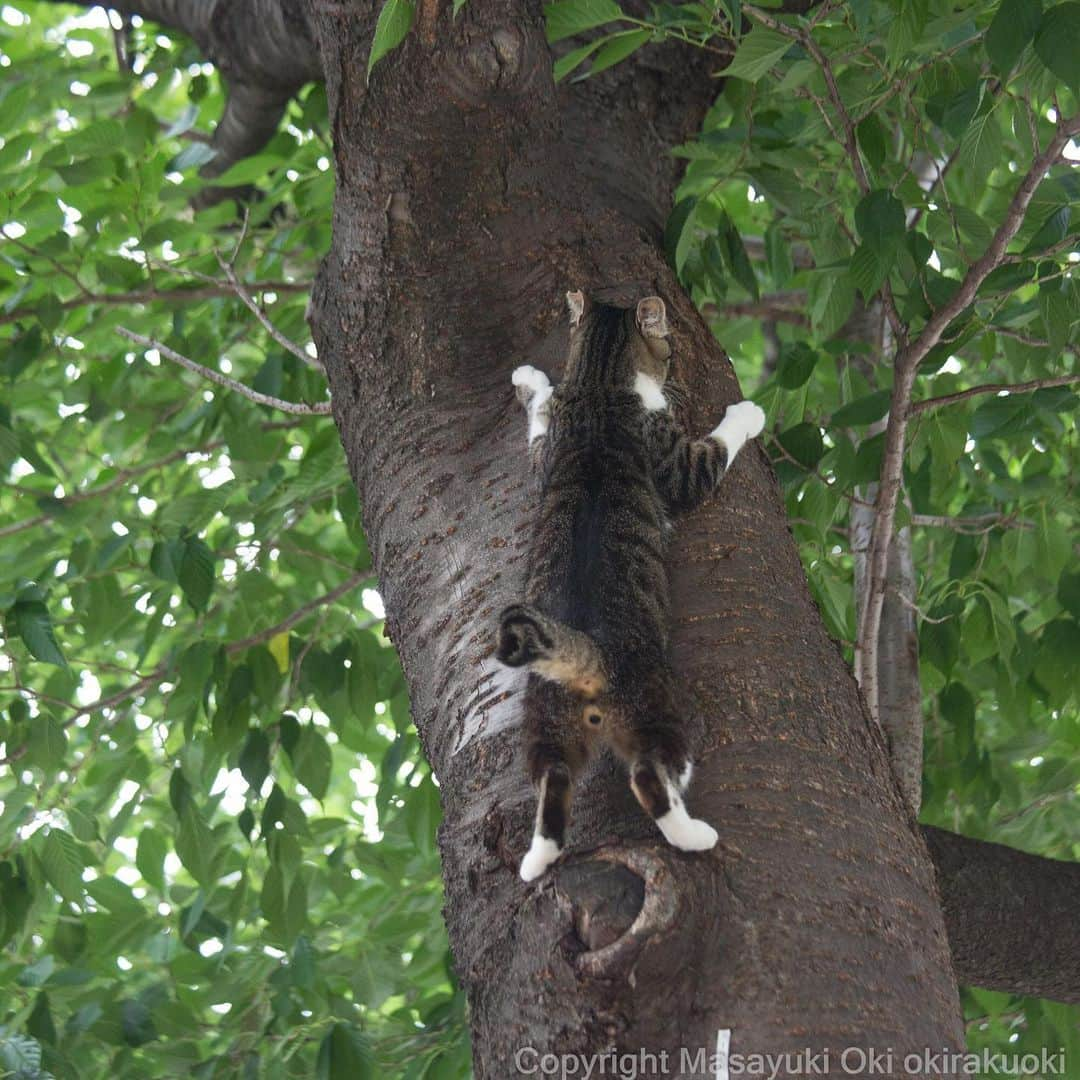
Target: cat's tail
x,y
555,651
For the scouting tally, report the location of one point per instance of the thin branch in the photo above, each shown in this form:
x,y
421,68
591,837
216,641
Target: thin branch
x,y
297,408
775,307
146,296
907,366
846,137
299,614
159,674
260,314
991,388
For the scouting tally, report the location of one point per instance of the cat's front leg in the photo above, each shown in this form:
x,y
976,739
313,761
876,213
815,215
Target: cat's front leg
x,y
742,422
534,391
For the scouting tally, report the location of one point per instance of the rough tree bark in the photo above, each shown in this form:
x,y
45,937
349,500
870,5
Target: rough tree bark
x,y
471,195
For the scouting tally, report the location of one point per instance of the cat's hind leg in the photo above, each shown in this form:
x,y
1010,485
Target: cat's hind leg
x,y
552,815
658,789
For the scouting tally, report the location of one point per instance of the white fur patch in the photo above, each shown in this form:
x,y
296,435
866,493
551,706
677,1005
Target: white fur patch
x,y
533,378
648,389
742,421
684,832
540,413
684,776
541,854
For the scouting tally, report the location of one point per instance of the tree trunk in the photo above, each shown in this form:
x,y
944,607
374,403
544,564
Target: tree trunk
x,y
471,195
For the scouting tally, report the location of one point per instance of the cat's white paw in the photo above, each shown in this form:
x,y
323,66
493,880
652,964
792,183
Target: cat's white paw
x,y
744,418
532,378
541,854
686,833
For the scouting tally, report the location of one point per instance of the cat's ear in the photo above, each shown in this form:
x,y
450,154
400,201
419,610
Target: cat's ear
x,y
652,317
575,301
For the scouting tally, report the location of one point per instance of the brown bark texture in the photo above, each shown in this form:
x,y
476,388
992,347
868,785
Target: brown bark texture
x,y
472,193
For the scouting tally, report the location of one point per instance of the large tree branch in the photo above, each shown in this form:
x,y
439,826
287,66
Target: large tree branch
x,y
1011,918
264,51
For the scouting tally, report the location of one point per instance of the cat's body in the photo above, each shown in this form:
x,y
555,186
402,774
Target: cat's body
x,y
594,628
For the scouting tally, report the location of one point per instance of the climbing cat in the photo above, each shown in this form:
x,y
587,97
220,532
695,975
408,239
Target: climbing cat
x,y
593,630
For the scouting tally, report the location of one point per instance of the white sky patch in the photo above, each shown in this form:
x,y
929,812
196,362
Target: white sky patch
x,y
128,790
226,365
211,947
322,164
146,505
296,452
373,602
64,411
12,16
952,366
934,261
80,48
88,690
220,474
13,230
1072,150
79,89
234,787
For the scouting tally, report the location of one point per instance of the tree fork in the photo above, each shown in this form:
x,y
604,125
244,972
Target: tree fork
x,y
471,195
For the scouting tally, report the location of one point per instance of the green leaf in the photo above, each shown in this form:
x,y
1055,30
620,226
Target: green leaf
x,y
735,257
311,761
63,863
344,1054
254,762
797,363
778,256
678,232
47,745
565,18
804,443
862,411
1052,231
831,297
29,620
1055,666
395,21
879,217
572,60
618,47
150,856
1013,26
1057,43
873,140
196,573
981,146
757,53
1068,592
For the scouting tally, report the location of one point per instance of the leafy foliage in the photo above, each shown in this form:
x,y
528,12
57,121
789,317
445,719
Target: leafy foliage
x,y
216,829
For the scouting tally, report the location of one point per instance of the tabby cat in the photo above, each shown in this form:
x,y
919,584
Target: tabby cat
x,y
593,631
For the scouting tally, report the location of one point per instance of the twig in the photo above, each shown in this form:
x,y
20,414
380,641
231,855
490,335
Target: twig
x,y
159,673
145,296
299,614
907,366
298,408
846,138
777,307
991,388
271,329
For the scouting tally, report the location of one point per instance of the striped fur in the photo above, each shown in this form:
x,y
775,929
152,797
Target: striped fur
x,y
593,631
